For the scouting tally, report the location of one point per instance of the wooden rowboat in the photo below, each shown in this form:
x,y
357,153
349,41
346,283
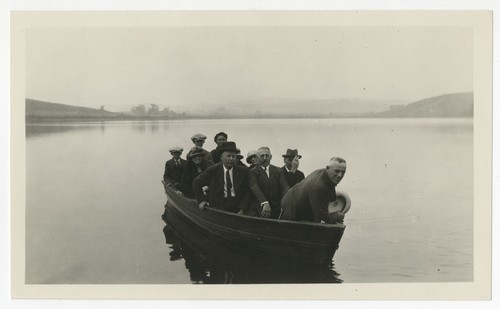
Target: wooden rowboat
x,y
308,243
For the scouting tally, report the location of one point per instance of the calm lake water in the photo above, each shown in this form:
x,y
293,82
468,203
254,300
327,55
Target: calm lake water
x,y
94,199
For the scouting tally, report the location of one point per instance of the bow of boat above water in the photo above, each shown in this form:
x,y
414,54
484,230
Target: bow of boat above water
x,y
273,240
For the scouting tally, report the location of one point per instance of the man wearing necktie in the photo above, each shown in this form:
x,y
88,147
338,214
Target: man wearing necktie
x,y
174,168
227,183
268,185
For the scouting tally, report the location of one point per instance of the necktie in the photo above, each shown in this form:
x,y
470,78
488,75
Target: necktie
x,y
265,171
177,163
229,184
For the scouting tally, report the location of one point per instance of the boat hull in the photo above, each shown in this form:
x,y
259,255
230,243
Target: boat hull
x,y
269,239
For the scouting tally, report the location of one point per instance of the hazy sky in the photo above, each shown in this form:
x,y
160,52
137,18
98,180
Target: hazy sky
x,y
122,67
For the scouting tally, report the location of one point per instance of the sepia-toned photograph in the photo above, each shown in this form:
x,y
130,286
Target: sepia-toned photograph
x,y
336,150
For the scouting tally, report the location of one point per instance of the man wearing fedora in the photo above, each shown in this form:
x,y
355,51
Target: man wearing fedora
x,y
290,169
198,140
268,185
227,183
174,168
310,198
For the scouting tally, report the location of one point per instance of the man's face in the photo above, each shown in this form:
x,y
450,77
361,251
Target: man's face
x,y
288,162
336,172
220,139
264,157
199,143
228,159
176,155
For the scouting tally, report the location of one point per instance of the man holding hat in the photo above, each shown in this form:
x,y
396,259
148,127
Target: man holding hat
x,y
309,199
174,168
198,140
227,183
290,169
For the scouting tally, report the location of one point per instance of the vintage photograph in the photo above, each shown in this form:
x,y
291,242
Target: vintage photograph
x,y
226,149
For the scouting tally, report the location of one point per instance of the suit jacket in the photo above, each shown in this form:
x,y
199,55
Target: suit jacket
x,y
309,199
293,178
215,155
173,173
269,189
213,177
190,173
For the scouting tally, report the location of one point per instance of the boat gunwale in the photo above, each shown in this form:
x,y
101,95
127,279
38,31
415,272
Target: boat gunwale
x,y
256,219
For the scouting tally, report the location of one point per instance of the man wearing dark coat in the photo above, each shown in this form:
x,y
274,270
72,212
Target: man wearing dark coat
x,y
309,199
268,185
174,168
290,169
227,183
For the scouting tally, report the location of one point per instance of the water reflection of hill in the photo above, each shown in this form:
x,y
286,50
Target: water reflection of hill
x,y
211,262
42,130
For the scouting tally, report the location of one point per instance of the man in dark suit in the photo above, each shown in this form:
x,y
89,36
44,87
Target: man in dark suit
x,y
309,200
268,185
290,169
227,183
174,168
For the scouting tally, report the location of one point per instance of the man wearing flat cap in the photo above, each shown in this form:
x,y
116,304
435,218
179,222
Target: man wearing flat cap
x,y
198,140
174,168
219,138
227,183
290,169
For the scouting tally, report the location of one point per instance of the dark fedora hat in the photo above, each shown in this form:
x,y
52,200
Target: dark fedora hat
x,y
292,153
228,146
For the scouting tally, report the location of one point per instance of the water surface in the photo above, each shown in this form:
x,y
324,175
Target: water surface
x,y
94,198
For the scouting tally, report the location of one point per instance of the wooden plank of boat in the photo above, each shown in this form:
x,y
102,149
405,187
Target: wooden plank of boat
x,y
303,242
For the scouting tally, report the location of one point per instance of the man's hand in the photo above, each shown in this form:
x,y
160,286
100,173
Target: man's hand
x,y
336,217
241,212
295,164
266,210
203,205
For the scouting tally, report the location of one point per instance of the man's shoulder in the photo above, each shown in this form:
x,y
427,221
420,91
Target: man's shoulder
x,y
214,167
274,167
241,169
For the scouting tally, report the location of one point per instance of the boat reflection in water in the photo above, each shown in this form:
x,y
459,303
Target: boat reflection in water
x,y
210,261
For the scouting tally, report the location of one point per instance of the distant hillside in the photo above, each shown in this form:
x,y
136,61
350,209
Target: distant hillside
x,y
446,106
291,107
40,109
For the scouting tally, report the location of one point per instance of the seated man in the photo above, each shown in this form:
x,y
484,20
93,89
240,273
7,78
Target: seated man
x,y
227,183
174,168
268,185
198,141
219,138
290,170
309,199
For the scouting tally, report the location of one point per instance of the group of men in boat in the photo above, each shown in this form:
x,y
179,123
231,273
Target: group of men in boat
x,y
219,179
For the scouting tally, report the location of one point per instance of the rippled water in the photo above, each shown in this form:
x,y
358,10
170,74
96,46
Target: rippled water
x,y
94,199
